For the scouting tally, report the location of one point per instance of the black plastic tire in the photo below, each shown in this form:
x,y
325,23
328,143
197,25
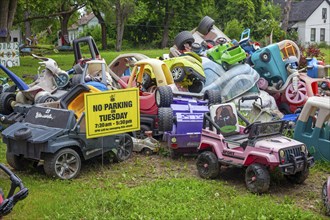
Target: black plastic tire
x,y
125,148
23,133
147,151
196,87
164,96
213,96
76,79
183,38
299,177
178,73
64,164
146,81
17,162
257,178
141,133
225,65
284,108
174,154
6,98
324,196
11,89
165,122
207,165
205,25
265,57
46,98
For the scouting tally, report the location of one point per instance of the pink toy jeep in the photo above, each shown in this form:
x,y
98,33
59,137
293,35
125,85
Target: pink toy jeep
x,y
260,147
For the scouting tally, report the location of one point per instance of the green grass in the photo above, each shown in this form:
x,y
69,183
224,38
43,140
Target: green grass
x,y
156,187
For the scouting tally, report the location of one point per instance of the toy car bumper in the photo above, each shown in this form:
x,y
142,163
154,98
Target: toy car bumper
x,y
296,164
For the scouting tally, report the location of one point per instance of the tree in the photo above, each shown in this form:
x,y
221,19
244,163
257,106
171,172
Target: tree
x,y
7,13
286,15
123,8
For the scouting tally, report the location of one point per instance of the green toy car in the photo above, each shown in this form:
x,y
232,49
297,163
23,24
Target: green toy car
x,y
226,53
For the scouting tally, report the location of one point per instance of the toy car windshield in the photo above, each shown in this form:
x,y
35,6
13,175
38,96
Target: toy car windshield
x,y
266,129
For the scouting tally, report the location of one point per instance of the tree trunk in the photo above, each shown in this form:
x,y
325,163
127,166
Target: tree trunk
x,y
167,20
27,25
64,28
286,15
103,28
7,13
119,26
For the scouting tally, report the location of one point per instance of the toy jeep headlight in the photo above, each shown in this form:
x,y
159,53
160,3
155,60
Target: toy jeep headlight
x,y
282,153
303,148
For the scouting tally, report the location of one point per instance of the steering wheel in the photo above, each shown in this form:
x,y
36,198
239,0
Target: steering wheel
x,y
221,40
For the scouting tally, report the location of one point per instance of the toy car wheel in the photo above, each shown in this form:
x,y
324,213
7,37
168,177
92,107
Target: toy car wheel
x,y
196,87
17,162
296,97
141,133
46,99
205,25
265,57
207,165
257,178
22,134
6,99
299,177
225,65
262,83
164,96
325,198
213,97
147,151
146,81
221,40
65,164
284,108
165,116
178,74
76,79
183,38
125,148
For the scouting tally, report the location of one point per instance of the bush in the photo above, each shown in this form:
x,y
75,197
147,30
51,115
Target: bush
x,y
233,29
312,50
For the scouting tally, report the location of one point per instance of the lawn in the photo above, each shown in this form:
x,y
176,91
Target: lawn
x,y
157,187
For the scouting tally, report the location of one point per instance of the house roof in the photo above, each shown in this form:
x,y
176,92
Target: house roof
x,y
82,21
300,11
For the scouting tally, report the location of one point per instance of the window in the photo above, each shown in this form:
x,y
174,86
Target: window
x,y
322,34
313,30
15,39
324,13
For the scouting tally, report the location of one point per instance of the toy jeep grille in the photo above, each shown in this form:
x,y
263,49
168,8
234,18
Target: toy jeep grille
x,y
296,151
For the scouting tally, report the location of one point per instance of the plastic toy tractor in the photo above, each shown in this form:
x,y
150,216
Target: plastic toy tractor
x,y
260,147
187,71
313,127
326,196
247,44
226,53
58,137
8,203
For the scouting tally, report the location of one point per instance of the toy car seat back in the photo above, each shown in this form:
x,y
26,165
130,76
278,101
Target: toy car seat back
x,y
315,133
225,116
74,99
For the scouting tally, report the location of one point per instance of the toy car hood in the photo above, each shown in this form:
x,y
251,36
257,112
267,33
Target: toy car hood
x,y
277,143
234,82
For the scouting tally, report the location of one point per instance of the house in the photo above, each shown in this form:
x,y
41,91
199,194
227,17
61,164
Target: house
x,y
88,20
310,18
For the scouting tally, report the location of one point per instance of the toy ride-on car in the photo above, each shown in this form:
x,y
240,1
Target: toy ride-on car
x,y
8,203
326,196
260,147
58,137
